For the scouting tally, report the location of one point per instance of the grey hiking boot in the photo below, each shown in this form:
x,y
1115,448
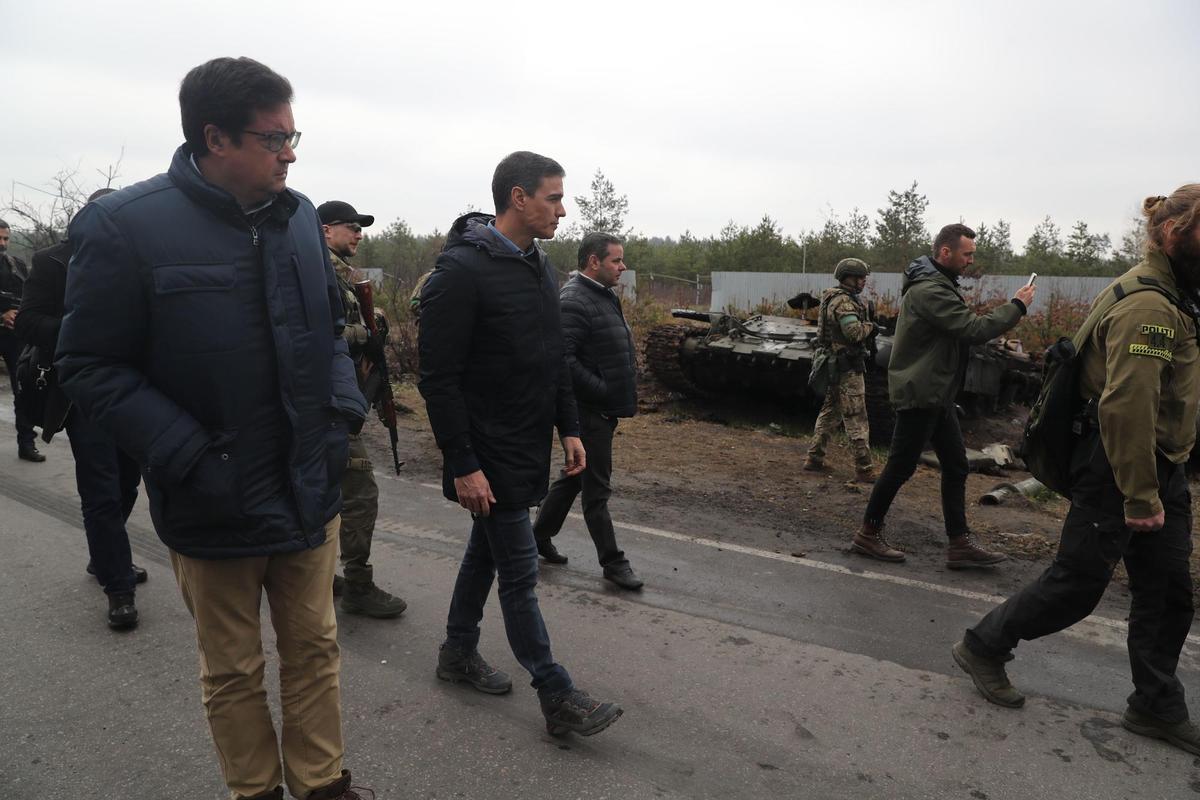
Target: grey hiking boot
x,y
576,711
965,552
368,600
989,676
870,542
455,666
1184,734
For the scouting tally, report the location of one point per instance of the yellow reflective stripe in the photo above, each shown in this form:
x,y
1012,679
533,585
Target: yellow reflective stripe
x,y
1147,350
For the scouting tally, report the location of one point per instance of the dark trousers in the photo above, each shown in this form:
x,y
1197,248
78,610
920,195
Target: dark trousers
x,y
596,432
502,544
10,349
915,427
1094,539
107,481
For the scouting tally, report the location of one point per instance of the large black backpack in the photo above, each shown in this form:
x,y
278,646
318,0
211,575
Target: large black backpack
x,y
1054,424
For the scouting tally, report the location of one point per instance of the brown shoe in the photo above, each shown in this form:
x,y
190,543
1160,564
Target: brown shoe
x,y
813,464
964,552
864,474
870,542
341,790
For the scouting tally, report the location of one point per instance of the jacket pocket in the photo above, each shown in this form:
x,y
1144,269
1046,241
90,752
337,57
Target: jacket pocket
x,y
196,307
211,491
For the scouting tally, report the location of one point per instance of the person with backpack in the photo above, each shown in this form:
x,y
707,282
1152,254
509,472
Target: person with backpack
x,y
1139,387
845,329
928,364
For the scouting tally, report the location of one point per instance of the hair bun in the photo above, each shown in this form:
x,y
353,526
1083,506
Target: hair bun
x,y
1152,204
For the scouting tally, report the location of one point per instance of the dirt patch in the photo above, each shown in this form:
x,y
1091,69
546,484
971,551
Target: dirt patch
x,y
731,471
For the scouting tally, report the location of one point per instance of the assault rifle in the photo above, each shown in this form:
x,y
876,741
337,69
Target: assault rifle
x,y
376,382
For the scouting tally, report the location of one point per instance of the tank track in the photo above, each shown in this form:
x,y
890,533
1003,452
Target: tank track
x,y
663,360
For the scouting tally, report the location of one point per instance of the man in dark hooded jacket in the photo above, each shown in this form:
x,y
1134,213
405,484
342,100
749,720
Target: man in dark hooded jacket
x,y
934,333
495,381
203,331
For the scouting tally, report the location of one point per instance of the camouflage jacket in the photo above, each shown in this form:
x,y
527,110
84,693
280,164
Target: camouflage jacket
x,y
355,332
844,326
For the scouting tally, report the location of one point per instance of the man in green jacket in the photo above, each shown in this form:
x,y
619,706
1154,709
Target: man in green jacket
x,y
929,361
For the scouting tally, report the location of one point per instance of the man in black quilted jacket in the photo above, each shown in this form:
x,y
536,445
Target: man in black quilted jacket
x,y
600,353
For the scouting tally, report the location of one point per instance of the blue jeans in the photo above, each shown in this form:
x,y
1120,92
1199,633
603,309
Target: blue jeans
x,y
107,482
503,544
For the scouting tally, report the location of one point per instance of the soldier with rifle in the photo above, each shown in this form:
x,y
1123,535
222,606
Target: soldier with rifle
x,y
846,330
365,333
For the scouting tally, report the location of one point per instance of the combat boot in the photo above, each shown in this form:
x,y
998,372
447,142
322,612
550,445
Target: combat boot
x,y
964,552
575,711
989,676
864,474
870,542
814,464
122,613
368,600
455,666
1183,734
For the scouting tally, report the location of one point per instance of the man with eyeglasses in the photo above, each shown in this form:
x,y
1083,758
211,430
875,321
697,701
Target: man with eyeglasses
x,y
226,378
343,226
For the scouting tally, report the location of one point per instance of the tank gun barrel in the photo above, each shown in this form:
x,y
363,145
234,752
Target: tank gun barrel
x,y
700,316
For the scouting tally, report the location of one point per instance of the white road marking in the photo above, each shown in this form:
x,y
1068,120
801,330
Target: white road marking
x,y
899,580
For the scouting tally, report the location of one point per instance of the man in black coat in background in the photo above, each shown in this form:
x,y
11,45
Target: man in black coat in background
x,y
495,383
12,282
105,477
601,355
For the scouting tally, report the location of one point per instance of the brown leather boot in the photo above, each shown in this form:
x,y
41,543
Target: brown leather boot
x,y
964,552
813,464
870,542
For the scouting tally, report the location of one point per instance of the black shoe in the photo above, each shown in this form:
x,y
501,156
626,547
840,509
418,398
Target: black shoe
x,y
339,585
29,452
1184,734
575,711
122,614
455,666
139,574
548,551
624,577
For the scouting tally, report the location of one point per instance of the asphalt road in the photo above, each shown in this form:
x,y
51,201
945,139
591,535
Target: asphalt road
x,y
743,673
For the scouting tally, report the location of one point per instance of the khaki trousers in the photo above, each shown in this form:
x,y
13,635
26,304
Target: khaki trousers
x,y
223,597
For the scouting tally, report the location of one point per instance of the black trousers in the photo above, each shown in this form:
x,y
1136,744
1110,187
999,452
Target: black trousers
x,y
10,350
597,433
1094,539
107,481
915,427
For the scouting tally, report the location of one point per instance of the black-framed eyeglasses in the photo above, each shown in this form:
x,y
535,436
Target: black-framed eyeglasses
x,y
275,140
353,226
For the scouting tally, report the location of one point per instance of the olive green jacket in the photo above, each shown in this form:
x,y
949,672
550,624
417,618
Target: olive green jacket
x,y
1143,364
933,335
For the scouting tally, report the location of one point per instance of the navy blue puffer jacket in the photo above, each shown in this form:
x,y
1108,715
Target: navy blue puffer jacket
x,y
209,345
493,372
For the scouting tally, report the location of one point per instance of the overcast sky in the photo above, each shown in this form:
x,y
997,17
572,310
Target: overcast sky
x,y
1009,110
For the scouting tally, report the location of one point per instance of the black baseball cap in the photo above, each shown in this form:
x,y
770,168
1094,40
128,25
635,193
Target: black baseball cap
x,y
341,211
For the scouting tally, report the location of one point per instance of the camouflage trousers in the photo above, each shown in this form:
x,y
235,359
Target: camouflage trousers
x,y
360,507
845,402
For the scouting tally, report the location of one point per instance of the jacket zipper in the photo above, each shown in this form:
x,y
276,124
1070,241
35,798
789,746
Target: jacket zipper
x,y
254,235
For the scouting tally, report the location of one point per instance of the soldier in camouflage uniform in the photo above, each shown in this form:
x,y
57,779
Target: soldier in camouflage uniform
x,y
360,495
845,329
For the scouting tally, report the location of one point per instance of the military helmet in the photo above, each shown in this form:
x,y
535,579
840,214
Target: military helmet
x,y
850,268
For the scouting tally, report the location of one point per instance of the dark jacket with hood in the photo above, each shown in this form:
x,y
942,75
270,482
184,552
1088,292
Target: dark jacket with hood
x,y
207,341
933,337
38,322
599,347
493,372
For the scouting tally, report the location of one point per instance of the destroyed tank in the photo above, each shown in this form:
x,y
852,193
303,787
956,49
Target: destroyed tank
x,y
771,355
